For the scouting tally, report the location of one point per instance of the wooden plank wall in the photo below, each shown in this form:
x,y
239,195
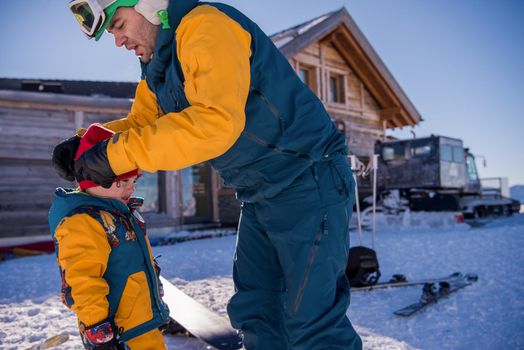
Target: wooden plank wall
x,y
360,112
28,180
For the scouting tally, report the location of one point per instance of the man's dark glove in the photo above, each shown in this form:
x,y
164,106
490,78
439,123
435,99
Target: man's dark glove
x,y
93,165
64,156
103,335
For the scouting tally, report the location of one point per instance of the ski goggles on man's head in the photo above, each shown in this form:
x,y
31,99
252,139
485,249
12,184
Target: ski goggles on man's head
x,y
94,15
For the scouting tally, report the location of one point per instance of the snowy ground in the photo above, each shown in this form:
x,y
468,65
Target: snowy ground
x,y
487,315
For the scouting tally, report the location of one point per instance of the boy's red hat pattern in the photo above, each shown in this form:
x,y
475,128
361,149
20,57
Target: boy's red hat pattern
x,y
97,133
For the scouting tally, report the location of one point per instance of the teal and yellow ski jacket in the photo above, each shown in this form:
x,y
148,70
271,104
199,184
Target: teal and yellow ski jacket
x,y
218,89
105,262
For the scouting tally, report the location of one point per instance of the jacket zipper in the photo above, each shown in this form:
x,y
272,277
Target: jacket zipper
x,y
274,110
155,284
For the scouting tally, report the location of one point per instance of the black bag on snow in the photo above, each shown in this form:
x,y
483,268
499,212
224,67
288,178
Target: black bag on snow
x,y
363,268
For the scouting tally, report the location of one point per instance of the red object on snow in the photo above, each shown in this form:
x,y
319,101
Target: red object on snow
x,y
28,249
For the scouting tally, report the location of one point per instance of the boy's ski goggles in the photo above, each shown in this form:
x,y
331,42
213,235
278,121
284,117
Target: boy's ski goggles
x,y
94,15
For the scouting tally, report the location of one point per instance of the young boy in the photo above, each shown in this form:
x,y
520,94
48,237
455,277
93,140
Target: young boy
x,y
108,274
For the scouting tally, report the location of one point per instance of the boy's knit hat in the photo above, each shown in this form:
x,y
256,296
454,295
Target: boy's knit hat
x,y
97,133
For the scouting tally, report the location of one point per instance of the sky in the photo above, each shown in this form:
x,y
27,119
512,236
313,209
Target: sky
x,y
458,61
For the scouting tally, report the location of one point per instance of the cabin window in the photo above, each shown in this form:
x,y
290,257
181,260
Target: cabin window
x,y
458,154
196,190
421,149
393,152
303,73
147,187
446,153
308,76
337,92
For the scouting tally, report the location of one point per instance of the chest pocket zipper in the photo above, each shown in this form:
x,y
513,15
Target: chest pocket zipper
x,y
274,110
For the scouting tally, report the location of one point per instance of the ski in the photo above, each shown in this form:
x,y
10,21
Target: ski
x,y
401,281
198,320
434,291
51,342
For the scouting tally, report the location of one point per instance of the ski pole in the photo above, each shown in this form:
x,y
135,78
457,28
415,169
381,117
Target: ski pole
x,y
375,166
359,224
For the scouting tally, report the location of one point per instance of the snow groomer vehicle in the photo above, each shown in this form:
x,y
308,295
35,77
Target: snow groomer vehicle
x,y
437,173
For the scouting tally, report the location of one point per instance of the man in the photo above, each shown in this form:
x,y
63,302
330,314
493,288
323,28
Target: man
x,y
216,89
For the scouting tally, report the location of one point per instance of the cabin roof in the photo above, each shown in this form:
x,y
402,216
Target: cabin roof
x,y
341,30
90,88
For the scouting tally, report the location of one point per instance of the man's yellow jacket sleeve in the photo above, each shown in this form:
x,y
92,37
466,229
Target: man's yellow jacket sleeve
x,y
144,111
214,54
83,252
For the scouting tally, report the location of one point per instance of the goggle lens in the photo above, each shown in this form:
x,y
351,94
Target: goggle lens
x,y
84,15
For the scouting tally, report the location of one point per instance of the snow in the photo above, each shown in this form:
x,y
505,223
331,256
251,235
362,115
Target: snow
x,y
282,38
311,24
486,315
517,192
283,41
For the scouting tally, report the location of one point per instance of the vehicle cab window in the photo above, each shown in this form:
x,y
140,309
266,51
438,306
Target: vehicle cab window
x,y
446,153
393,152
421,149
472,168
458,154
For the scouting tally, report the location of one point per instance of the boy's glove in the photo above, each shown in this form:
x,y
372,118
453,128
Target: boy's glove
x,y
63,157
93,165
103,335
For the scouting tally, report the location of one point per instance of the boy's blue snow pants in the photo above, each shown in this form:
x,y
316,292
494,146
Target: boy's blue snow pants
x,y
289,266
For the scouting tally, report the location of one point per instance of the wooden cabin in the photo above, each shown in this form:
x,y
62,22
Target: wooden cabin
x,y
336,61
35,116
329,53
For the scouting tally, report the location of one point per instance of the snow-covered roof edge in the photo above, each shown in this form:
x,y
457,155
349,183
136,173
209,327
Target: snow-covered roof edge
x,y
286,35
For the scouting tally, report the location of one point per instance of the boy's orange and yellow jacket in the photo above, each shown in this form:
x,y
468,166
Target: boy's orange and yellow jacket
x,y
106,263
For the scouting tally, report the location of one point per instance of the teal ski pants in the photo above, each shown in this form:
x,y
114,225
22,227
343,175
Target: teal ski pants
x,y
291,291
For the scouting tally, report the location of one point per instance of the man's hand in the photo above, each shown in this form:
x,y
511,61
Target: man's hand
x,y
63,158
93,165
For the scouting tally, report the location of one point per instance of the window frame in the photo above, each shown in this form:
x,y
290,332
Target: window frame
x,y
399,151
446,153
339,95
458,151
159,205
421,144
311,72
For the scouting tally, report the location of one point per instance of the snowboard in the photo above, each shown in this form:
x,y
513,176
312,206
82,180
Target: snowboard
x,y
434,291
198,320
401,281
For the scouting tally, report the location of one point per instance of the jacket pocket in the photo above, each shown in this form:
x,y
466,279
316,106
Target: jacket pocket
x,y
342,177
134,308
